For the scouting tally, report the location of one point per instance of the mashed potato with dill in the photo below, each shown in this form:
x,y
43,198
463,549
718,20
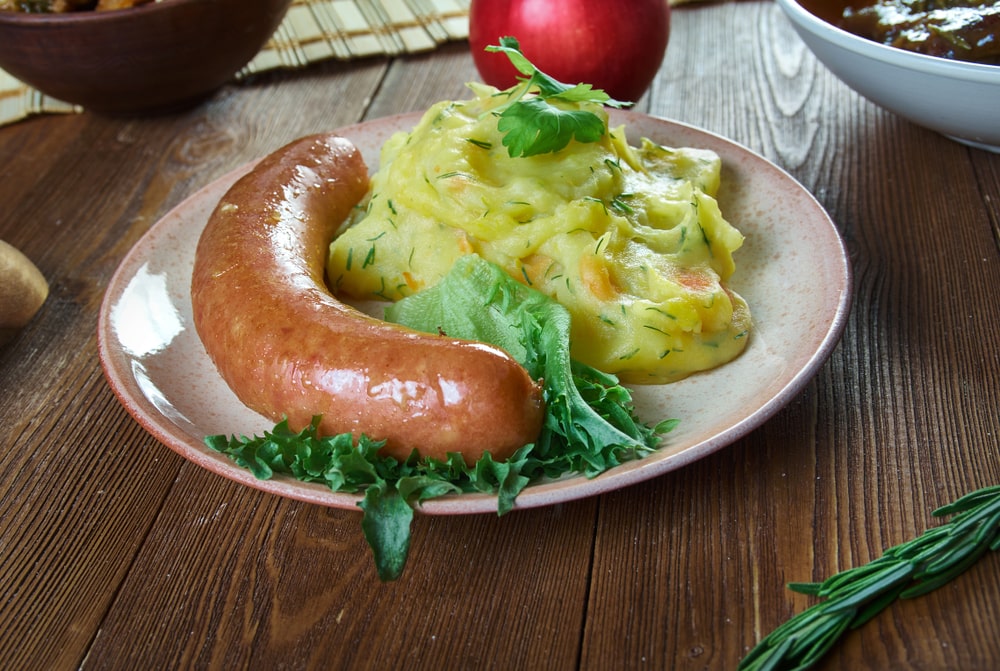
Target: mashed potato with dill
x,y
630,239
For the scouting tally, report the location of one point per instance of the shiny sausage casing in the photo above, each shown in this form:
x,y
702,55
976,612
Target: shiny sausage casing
x,y
288,348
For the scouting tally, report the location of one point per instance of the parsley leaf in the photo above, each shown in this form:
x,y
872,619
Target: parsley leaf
x,y
536,127
531,124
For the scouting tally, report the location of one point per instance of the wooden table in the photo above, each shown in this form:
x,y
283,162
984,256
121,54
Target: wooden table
x,y
115,553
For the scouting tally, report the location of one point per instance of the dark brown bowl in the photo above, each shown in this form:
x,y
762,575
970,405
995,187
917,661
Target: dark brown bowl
x,y
152,58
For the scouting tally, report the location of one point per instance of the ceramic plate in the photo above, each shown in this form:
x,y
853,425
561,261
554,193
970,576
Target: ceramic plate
x,y
792,270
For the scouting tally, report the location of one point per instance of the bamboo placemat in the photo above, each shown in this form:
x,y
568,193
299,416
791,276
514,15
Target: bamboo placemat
x,y
316,30
313,30
18,101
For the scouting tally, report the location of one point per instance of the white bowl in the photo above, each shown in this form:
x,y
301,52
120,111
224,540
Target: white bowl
x,y
958,99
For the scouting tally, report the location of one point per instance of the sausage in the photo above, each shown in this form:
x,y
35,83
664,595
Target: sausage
x,y
288,348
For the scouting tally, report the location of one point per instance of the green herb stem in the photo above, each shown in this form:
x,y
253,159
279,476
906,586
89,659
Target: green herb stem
x,y
854,596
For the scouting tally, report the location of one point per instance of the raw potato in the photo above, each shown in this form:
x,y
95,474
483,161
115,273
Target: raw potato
x,y
23,289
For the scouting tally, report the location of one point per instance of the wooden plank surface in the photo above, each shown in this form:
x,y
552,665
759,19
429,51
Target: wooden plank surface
x,y
117,554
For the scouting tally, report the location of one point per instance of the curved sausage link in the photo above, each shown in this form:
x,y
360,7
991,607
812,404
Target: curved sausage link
x,y
287,347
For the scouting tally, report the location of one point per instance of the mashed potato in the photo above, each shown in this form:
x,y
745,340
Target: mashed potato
x,y
630,239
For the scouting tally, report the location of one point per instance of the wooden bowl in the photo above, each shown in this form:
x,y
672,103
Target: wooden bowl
x,y
152,58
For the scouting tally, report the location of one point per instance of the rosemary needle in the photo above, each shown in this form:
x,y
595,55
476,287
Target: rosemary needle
x,y
854,596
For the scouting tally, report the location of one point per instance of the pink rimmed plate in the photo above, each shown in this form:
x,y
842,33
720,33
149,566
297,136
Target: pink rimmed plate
x,y
793,270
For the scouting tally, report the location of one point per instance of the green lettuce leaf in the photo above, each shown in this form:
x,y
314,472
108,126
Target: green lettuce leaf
x,y
477,300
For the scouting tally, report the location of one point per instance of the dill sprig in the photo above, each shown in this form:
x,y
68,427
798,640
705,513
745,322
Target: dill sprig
x,y
856,595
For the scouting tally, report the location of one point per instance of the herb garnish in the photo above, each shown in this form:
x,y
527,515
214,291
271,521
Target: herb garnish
x,y
856,595
533,125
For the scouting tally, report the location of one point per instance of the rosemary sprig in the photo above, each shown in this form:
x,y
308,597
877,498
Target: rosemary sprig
x,y
856,595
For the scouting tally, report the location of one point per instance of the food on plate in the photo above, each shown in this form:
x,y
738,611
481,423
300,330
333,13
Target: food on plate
x,y
590,424
63,6
629,238
23,289
349,390
288,348
966,30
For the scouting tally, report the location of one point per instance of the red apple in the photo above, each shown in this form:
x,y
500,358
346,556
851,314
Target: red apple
x,y
615,46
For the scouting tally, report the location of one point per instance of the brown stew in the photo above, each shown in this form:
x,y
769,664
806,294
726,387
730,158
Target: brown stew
x,y
966,30
62,6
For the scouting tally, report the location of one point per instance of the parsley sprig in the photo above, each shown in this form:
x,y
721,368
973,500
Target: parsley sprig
x,y
856,595
533,124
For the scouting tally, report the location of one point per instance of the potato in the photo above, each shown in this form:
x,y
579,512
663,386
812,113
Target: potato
x,y
629,238
23,289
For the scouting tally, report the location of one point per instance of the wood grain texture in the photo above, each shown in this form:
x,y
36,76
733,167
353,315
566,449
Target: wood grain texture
x,y
902,419
117,554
